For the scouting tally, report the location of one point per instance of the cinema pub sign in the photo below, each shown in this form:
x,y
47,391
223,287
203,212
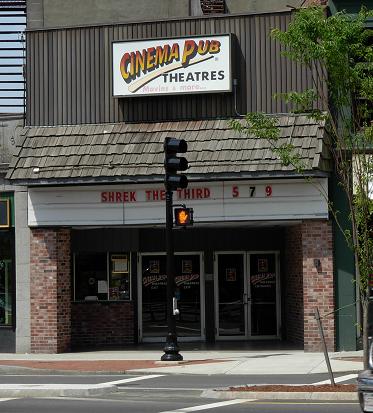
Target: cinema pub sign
x,y
172,66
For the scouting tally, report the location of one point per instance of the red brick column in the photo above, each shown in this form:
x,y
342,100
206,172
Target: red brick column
x,y
293,260
50,290
318,283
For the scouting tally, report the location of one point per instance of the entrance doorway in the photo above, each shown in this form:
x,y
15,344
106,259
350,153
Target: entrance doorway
x,y
247,295
152,288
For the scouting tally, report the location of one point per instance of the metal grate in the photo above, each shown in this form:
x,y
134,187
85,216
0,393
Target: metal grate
x,y
213,6
12,56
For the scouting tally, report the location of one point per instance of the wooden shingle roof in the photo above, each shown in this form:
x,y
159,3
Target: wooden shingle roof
x,y
129,152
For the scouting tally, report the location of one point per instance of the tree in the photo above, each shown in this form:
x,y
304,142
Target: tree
x,y
337,50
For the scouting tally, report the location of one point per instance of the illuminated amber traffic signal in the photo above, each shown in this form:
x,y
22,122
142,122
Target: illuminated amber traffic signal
x,y
183,217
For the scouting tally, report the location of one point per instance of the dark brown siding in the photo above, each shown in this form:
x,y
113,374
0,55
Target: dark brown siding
x,y
69,72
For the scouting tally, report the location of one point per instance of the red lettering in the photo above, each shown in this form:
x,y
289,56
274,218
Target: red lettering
x,y
235,192
186,193
155,195
132,196
206,192
103,197
111,196
118,197
147,194
199,193
163,195
125,196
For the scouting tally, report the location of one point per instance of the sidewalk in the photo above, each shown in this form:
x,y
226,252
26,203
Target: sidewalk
x,y
148,362
195,362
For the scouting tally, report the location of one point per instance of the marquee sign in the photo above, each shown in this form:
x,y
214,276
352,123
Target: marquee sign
x,y
172,66
144,204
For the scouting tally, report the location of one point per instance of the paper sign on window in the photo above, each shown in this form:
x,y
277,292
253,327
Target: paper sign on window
x,y
262,265
120,263
230,274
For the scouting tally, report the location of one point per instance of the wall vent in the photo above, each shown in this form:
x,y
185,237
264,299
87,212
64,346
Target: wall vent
x,y
12,56
213,6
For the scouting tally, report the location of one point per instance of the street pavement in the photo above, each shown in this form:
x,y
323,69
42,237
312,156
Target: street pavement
x,y
166,403
307,367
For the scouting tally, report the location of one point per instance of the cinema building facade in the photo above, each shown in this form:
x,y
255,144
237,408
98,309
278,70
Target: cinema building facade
x,y
260,257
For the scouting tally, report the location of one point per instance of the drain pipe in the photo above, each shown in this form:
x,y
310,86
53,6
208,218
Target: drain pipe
x,y
235,86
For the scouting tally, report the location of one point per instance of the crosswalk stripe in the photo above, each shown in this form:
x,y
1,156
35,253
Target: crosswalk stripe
x,y
338,379
209,406
130,380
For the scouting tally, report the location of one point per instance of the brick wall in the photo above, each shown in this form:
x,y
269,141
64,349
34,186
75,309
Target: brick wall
x,y
102,324
318,283
293,288
50,290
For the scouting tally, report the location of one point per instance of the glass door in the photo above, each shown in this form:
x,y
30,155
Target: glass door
x,y
230,295
264,295
188,293
153,295
247,297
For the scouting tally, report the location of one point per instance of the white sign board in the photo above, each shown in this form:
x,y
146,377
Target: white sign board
x,y
172,66
213,202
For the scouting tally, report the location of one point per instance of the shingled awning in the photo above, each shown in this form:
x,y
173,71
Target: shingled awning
x,y
134,152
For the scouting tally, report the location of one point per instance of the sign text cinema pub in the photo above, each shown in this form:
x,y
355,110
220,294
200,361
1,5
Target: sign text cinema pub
x,y
153,195
172,66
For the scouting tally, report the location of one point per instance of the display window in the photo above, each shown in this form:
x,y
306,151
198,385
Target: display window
x,y
5,293
6,277
102,276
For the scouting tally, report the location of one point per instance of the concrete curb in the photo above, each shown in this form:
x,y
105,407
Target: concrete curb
x,y
56,390
226,394
176,370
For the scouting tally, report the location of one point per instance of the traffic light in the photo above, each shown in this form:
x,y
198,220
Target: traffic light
x,y
183,216
173,163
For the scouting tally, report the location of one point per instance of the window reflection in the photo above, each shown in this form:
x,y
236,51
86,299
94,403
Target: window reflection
x,y
5,293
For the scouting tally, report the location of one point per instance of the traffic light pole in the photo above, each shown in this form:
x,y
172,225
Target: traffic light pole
x,y
171,349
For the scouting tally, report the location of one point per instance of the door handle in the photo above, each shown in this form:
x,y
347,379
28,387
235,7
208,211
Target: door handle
x,y
246,299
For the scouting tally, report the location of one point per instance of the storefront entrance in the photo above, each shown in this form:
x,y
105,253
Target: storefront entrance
x,y
152,314
247,295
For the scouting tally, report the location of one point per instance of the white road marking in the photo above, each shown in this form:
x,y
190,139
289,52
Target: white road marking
x,y
309,403
5,400
338,379
63,375
164,388
209,406
150,376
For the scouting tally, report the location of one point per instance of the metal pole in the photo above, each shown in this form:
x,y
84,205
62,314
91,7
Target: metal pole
x,y
171,348
326,355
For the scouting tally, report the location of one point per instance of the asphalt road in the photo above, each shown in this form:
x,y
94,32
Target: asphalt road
x,y
167,393
159,402
171,381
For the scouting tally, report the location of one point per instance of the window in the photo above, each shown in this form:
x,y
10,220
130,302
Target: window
x,y
102,276
5,293
119,277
